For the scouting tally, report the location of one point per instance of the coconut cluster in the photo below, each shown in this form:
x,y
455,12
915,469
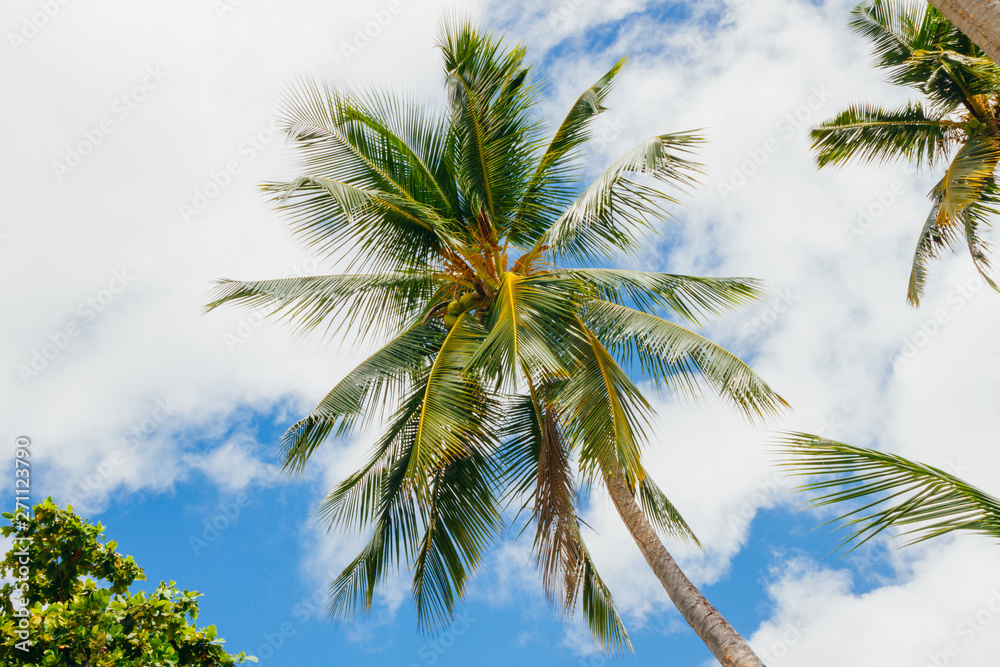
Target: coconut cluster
x,y
459,306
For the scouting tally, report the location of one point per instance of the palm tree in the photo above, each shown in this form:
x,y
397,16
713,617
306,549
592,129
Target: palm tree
x,y
956,125
505,370
979,19
922,500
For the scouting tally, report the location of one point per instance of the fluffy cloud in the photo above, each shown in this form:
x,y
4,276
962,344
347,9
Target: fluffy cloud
x,y
137,170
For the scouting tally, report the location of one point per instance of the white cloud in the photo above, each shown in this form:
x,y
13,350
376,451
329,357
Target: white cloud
x,y
233,465
105,349
942,611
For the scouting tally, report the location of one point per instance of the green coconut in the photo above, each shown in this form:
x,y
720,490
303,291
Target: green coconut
x,y
450,320
974,124
467,300
454,308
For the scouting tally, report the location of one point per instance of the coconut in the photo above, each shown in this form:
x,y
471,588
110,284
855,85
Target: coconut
x,y
454,308
450,320
467,300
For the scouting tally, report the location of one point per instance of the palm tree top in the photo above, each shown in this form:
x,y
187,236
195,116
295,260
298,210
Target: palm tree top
x,y
503,371
956,124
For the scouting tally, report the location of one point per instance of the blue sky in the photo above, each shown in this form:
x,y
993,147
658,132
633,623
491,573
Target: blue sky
x,y
135,146
242,550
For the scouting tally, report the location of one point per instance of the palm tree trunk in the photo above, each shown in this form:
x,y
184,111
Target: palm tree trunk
x,y
728,647
979,19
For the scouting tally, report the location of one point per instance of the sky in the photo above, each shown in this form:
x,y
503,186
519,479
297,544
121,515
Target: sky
x,y
135,136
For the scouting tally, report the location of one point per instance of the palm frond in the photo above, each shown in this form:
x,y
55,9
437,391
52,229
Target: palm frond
x,y
457,414
951,80
598,605
605,413
370,492
332,216
677,358
612,214
550,190
540,462
922,500
462,521
496,136
376,303
528,324
869,133
661,512
690,297
932,240
974,217
896,29
395,532
402,359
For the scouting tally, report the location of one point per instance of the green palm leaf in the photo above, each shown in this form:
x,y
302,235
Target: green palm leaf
x,y
922,500
462,522
491,98
679,359
382,493
549,193
605,413
400,361
869,133
691,297
619,204
933,239
456,415
375,302
528,325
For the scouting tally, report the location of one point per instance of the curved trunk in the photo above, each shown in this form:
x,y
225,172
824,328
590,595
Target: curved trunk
x,y
978,19
728,647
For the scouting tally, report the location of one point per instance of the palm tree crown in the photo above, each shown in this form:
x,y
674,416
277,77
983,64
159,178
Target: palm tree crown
x,y
957,124
506,371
